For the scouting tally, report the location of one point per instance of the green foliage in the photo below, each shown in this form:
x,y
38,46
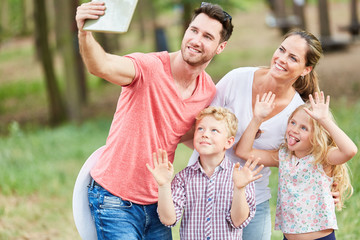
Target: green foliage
x,y
15,18
41,161
12,90
7,55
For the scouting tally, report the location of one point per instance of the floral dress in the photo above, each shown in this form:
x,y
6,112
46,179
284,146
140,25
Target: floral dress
x,y
304,202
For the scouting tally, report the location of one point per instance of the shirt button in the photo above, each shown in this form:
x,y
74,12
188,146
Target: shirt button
x,y
208,238
208,219
209,199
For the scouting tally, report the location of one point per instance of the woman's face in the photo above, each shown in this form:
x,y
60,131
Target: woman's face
x,y
288,61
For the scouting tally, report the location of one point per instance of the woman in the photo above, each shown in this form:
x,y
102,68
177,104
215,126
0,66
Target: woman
x,y
291,77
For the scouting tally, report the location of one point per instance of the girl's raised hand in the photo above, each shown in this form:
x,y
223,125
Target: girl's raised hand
x,y
320,107
264,106
163,169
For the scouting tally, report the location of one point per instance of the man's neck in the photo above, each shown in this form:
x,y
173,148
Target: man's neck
x,y
185,75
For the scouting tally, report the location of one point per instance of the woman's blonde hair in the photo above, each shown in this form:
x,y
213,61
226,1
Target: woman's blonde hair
x,y
322,143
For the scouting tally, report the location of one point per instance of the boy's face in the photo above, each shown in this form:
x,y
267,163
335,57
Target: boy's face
x,y
211,137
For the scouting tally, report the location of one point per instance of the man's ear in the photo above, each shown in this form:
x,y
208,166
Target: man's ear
x,y
221,47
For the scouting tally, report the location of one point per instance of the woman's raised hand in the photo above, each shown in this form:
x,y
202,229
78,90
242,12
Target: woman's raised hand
x,y
264,106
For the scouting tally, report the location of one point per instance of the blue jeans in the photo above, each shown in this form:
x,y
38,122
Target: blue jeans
x,y
331,236
118,219
260,226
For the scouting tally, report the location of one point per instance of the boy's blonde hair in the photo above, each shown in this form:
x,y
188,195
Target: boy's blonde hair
x,y
221,114
322,143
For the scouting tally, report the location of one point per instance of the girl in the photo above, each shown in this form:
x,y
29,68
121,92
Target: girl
x,y
313,156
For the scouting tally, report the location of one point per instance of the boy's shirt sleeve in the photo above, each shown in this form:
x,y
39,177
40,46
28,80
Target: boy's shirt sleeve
x,y
250,198
178,195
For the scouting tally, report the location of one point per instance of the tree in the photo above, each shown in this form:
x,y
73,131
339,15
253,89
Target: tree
x,y
56,107
75,90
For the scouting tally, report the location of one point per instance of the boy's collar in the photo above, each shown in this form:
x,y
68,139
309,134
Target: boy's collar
x,y
225,164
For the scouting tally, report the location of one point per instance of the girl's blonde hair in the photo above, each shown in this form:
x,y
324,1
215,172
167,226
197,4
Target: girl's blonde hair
x,y
322,143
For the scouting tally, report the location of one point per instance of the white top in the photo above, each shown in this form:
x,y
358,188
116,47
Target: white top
x,y
304,202
234,91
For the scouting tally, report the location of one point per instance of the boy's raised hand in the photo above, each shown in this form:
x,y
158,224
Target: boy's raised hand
x,y
320,106
163,169
264,106
245,175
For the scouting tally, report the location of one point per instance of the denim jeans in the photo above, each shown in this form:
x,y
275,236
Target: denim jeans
x,y
331,236
118,219
260,226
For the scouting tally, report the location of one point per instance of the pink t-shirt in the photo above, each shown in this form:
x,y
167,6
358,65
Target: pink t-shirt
x,y
150,114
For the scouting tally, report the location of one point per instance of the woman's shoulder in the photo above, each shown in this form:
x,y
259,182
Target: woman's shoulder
x,y
242,75
243,70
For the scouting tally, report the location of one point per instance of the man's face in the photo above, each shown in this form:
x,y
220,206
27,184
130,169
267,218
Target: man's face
x,y
202,40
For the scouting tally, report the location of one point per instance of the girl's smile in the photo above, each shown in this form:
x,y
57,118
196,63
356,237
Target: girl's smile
x,y
299,134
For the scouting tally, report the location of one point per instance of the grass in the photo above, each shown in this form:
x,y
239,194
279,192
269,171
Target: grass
x,y
37,173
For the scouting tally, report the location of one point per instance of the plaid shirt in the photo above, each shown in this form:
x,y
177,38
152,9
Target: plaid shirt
x,y
207,202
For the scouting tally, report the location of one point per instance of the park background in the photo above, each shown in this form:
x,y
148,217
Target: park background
x,y
51,120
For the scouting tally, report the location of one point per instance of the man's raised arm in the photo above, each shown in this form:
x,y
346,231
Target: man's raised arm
x,y
116,69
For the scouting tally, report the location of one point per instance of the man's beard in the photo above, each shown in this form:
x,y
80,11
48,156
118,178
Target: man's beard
x,y
195,61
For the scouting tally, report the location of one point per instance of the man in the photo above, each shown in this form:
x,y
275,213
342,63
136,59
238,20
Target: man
x,y
161,95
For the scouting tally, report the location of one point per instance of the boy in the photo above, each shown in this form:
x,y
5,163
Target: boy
x,y
213,192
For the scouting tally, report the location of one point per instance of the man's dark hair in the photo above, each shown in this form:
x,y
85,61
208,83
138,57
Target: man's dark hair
x,y
216,12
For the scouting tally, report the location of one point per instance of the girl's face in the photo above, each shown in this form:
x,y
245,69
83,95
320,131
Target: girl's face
x,y
289,60
299,133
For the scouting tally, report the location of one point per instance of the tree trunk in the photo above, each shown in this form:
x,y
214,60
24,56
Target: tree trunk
x,y
22,15
4,18
79,63
139,13
324,19
65,33
56,108
299,11
188,11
